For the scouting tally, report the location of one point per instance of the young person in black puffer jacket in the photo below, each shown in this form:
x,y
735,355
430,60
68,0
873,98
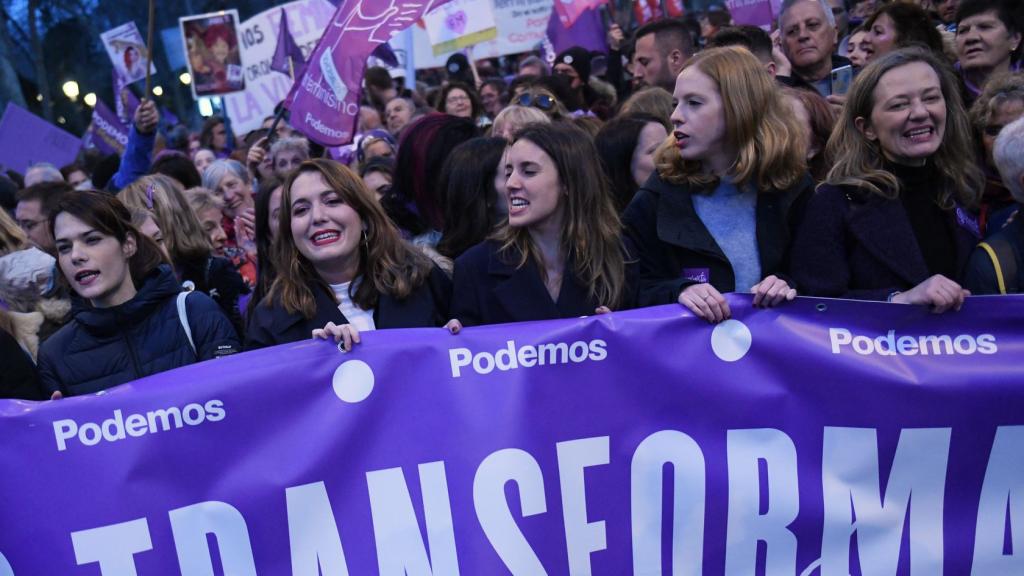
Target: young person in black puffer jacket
x,y
125,321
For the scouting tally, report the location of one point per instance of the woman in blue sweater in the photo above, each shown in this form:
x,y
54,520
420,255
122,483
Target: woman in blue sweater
x,y
717,215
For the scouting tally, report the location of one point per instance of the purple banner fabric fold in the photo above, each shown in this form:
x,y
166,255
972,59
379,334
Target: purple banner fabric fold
x,y
106,132
288,57
324,101
822,437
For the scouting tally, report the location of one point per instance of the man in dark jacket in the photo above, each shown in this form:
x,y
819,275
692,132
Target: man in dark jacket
x,y
809,39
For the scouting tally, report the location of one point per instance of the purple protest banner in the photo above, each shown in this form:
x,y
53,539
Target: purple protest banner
x,y
26,139
752,12
106,132
324,102
785,441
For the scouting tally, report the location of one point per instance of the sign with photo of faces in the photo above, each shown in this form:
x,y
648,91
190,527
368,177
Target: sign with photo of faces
x,y
213,54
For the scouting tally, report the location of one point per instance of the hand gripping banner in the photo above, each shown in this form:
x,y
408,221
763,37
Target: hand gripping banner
x,y
823,437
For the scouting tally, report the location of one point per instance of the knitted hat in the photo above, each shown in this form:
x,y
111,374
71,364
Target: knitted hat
x,y
579,59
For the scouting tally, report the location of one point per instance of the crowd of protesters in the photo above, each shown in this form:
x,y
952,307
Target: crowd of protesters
x,y
863,149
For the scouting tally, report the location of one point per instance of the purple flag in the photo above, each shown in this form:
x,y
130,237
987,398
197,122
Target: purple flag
x,y
324,102
386,54
820,437
26,139
587,32
106,132
288,57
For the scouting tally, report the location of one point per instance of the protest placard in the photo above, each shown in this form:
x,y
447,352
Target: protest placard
x,y
213,53
752,12
265,88
106,132
460,23
127,51
821,437
521,24
26,139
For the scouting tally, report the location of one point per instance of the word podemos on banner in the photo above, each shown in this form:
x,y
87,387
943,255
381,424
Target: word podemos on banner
x,y
823,437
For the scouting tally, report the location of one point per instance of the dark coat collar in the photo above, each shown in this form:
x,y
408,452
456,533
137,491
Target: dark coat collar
x,y
883,229
159,285
523,296
678,223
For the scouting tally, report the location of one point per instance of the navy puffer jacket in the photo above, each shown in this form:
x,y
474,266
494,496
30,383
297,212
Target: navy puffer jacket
x,y
104,347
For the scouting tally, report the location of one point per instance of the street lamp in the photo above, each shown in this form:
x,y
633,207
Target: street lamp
x,y
71,90
158,91
185,78
90,99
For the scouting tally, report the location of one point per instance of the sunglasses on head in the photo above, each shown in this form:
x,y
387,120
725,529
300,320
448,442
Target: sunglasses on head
x,y
542,101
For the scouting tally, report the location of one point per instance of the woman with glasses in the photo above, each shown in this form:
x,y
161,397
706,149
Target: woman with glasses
x,y
344,268
458,99
559,253
717,213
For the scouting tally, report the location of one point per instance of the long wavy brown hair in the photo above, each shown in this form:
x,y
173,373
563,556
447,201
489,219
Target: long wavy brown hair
x,y
758,124
860,162
592,230
387,263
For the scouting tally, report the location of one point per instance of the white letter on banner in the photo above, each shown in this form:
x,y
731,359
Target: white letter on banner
x,y
190,526
688,502
400,549
313,532
747,525
581,537
113,546
509,465
850,486
1004,484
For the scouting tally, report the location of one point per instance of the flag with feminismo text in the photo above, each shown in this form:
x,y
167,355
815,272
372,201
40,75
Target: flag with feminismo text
x,y
324,102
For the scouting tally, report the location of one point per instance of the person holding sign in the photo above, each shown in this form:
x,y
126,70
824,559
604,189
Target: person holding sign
x,y
126,324
889,223
716,215
559,255
345,268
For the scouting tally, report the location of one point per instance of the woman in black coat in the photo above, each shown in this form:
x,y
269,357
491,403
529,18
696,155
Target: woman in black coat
x,y
344,266
890,222
125,322
717,214
559,254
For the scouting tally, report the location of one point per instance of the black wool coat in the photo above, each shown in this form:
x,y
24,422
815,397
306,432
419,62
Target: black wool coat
x,y
427,306
858,245
489,289
674,249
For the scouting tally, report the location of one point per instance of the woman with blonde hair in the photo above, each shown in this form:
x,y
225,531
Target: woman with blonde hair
x,y
512,118
344,267
559,253
716,215
186,243
890,221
